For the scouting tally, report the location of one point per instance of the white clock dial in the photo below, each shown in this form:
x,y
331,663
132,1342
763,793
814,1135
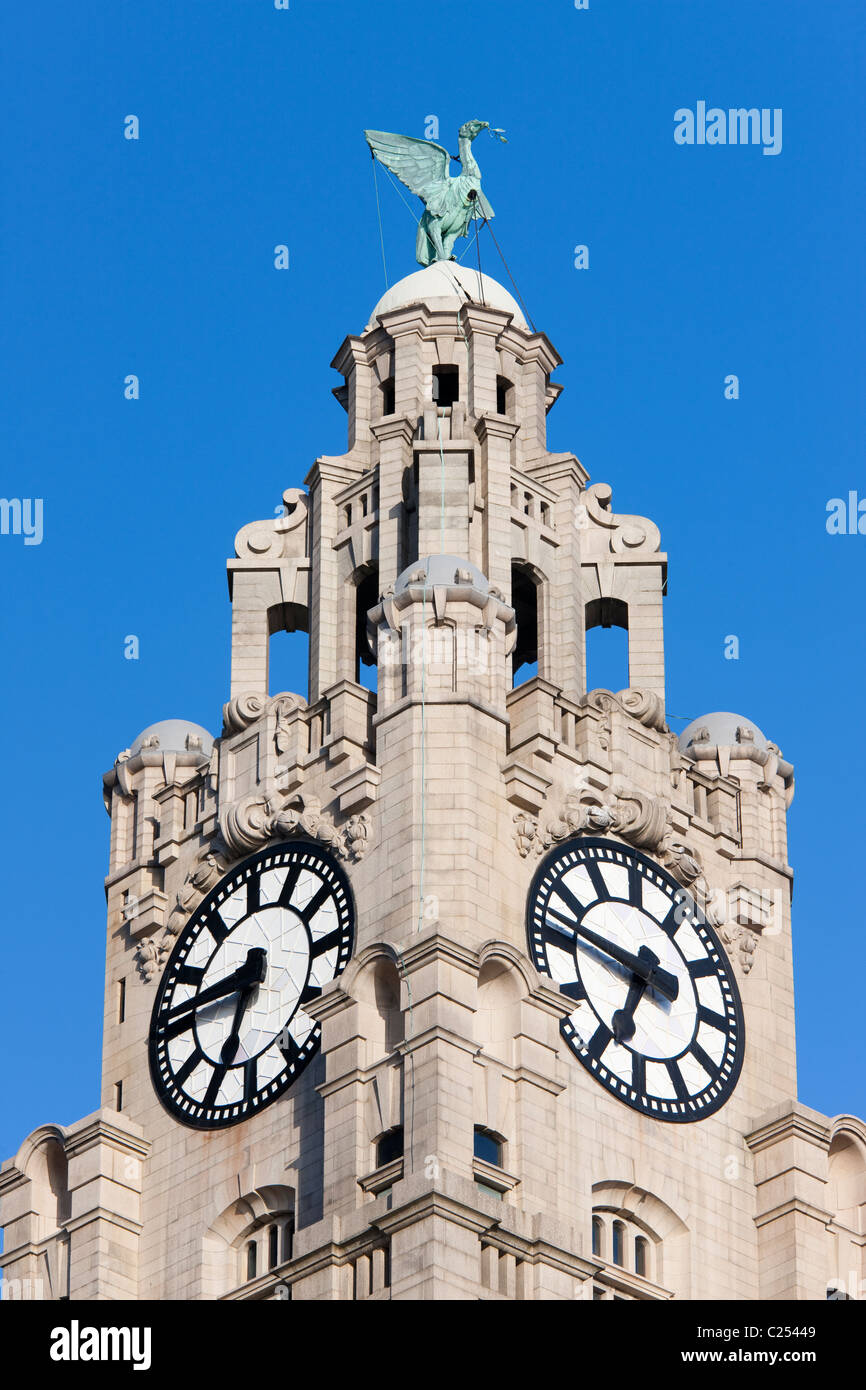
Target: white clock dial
x,y
229,1031
657,1016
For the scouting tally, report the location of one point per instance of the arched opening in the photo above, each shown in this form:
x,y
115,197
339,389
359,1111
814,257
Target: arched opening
x,y
386,990
641,1256
607,644
597,1236
525,602
504,396
366,597
389,1146
618,1243
446,385
388,396
288,649
488,1146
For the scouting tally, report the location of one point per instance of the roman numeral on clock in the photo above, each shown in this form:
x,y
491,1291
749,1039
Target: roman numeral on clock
x,y
214,1084
183,1074
326,943
289,886
680,1087
319,898
599,1041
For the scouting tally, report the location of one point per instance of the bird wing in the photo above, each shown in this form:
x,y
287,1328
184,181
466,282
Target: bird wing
x,y
421,165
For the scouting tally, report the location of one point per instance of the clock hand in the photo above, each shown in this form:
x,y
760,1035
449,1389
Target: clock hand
x,y
662,980
230,1047
623,1020
252,972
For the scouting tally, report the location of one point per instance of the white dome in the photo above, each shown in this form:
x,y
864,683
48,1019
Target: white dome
x,y
171,735
721,728
447,285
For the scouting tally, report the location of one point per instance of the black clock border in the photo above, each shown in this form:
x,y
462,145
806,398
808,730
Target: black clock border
x,y
313,1042
679,1116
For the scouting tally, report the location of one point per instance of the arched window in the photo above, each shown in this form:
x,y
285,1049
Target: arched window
x,y
488,1146
366,597
273,1247
607,646
641,1254
288,649
388,396
288,1238
446,385
252,1255
618,1243
504,395
524,600
389,1146
597,1235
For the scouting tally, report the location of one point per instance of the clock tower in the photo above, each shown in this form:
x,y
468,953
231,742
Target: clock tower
x,y
445,977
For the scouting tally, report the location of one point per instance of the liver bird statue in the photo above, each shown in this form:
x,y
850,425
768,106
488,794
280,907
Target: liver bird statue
x,y
450,204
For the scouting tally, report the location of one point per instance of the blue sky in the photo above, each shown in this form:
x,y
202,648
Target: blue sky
x,y
155,257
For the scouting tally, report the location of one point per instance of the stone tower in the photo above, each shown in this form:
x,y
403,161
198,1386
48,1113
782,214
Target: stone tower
x,y
449,1125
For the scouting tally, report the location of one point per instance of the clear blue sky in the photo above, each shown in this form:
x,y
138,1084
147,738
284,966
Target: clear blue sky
x,y
155,257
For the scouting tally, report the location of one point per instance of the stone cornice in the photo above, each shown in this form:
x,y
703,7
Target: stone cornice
x,y
394,427
796,1123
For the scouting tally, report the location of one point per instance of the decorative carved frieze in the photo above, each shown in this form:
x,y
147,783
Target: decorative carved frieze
x,y
644,705
246,825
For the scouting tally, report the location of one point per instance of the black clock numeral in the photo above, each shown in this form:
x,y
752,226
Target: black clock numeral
x,y
635,880
190,975
555,935
183,1073
326,943
712,1018
217,1079
698,969
217,928
309,993
575,907
680,1087
599,1041
673,921
638,1073
288,1047
177,1026
289,886
597,880
250,1078
316,901
253,894
703,1059
574,989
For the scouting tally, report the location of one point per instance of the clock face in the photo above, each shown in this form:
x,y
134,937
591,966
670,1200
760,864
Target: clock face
x,y
657,1017
229,1033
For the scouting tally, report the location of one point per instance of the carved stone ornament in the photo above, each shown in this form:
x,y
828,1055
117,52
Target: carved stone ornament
x,y
643,705
640,819
644,822
244,710
246,825
211,862
278,538
740,943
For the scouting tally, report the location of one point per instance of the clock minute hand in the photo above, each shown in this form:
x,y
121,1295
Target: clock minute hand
x,y
251,972
666,983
